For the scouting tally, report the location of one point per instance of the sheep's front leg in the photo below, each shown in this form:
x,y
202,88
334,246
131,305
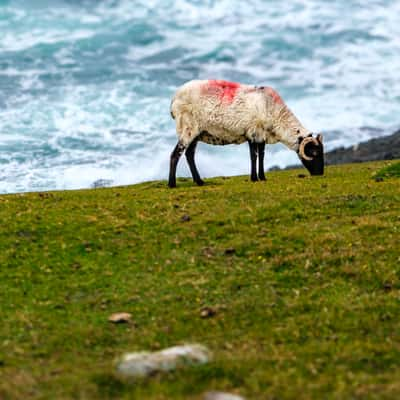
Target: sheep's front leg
x,y
190,159
253,158
261,152
175,156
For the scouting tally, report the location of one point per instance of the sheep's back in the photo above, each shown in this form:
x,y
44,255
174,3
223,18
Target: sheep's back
x,y
228,111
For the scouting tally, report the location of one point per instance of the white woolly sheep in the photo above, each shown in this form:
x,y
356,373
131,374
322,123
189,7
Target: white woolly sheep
x,y
220,112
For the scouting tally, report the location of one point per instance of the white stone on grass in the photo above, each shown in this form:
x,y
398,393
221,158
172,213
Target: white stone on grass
x,y
221,396
143,364
119,318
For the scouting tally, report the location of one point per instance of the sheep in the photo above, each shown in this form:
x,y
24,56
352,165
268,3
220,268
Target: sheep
x,y
220,112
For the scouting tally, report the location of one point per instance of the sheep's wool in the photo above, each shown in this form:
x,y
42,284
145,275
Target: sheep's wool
x,y
221,112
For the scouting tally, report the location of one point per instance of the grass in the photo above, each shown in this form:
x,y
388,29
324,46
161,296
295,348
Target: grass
x,y
392,170
303,274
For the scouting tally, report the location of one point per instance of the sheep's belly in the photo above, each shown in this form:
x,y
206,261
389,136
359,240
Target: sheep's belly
x,y
221,141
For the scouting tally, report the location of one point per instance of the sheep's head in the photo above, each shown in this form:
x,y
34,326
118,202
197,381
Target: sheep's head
x,y
311,153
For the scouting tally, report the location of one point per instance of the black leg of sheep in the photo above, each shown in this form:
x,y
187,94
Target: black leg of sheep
x,y
175,156
190,159
253,158
261,152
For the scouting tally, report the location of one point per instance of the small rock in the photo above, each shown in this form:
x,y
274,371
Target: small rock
x,y
221,396
120,318
301,176
378,179
230,250
185,218
387,287
144,364
207,312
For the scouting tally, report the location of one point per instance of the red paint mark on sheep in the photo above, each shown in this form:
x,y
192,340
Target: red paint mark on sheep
x,y
274,95
224,90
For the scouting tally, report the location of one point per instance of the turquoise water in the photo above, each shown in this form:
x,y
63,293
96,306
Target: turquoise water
x,y
85,86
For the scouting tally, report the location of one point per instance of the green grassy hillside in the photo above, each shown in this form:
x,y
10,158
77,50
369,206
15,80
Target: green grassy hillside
x,y
301,276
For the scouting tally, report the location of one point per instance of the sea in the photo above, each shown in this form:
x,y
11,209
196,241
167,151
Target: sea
x,y
85,86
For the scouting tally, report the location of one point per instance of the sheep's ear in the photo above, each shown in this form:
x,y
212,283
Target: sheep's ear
x,y
300,139
319,138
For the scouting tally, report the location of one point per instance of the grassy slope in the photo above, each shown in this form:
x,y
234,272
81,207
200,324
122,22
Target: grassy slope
x,y
307,303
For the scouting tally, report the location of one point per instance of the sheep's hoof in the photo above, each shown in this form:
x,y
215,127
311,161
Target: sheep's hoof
x,y
262,178
172,185
254,179
200,182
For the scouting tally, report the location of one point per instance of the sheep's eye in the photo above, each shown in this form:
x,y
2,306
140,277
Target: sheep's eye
x,y
298,130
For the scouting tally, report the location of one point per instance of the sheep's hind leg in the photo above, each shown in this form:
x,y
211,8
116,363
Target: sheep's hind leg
x,y
175,156
253,158
190,159
261,152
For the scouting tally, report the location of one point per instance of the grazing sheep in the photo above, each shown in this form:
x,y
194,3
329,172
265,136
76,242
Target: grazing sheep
x,y
220,112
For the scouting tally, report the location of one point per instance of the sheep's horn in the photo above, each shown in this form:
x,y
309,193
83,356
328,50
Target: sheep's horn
x,y
303,144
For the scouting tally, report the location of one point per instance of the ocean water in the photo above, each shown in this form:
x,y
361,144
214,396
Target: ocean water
x,y
85,86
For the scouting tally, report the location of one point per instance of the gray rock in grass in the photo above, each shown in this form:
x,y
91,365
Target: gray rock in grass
x,y
221,396
144,364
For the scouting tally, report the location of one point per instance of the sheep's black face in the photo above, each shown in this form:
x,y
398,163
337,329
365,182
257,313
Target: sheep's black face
x,y
311,153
